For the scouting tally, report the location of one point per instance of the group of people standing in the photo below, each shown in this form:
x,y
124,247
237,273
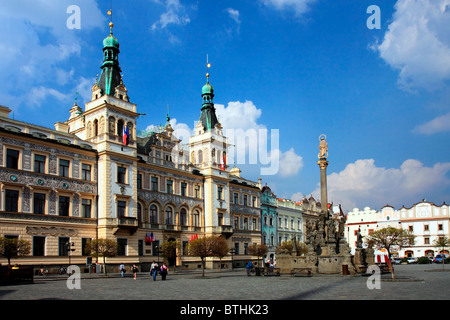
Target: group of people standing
x,y
154,269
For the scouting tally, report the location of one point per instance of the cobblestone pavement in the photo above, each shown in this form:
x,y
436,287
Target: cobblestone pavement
x,y
424,282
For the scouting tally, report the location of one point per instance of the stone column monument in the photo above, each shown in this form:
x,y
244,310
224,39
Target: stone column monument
x,y
323,164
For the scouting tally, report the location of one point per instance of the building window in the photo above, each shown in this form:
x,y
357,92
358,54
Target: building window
x,y
245,199
245,248
64,167
121,207
236,248
39,203
122,247
411,228
84,244
86,172
197,191
39,163
253,201
236,222
219,192
245,223
139,181
183,217
440,227
196,218
11,200
426,227
120,128
254,224
154,184
426,240
38,246
169,215
139,212
62,246
220,219
236,198
86,205
12,159
64,205
153,214
169,186
121,172
183,189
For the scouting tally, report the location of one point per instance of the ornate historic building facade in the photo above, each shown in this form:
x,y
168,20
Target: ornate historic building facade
x,y
93,177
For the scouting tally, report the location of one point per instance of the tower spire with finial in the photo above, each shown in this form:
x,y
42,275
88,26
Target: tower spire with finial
x,y
208,65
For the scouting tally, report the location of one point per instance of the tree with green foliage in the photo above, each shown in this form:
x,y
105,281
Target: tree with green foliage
x,y
169,251
105,248
442,243
389,237
13,248
259,250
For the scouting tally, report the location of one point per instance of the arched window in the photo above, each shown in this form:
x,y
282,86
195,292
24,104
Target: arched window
x,y
120,128
200,156
169,215
183,217
196,218
111,125
130,131
95,128
139,212
153,214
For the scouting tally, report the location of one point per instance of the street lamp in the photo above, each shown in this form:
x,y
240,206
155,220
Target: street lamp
x,y
232,251
69,248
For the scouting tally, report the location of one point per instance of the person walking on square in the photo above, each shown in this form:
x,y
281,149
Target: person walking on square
x,y
135,270
154,270
164,270
122,269
249,268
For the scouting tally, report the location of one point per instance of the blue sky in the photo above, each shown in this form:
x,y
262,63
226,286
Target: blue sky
x,y
303,67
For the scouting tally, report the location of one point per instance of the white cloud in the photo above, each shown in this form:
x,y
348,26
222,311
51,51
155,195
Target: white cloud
x,y
36,45
239,115
234,15
363,184
417,43
298,6
438,124
38,94
290,163
297,197
174,14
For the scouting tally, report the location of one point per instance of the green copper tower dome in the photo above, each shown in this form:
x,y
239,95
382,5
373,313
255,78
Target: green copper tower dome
x,y
110,76
208,116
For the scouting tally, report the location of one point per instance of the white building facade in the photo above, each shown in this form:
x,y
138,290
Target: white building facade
x,y
424,219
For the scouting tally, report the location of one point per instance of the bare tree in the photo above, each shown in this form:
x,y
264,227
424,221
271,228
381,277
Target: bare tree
x,y
220,249
202,248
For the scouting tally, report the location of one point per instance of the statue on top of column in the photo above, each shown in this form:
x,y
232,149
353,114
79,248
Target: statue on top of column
x,y
323,147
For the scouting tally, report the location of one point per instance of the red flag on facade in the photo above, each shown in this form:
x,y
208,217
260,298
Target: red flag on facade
x,y
224,163
125,135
